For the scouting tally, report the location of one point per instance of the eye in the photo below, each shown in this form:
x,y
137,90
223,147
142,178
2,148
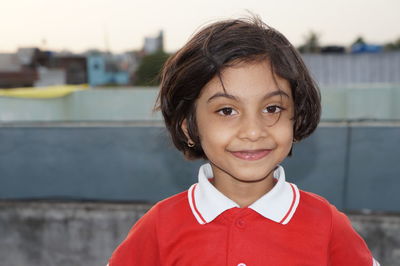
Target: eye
x,y
226,111
272,109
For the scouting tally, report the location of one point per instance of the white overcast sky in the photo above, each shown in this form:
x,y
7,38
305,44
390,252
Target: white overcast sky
x,y
78,25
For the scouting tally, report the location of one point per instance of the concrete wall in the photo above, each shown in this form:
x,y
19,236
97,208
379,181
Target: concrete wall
x,y
65,234
352,165
91,163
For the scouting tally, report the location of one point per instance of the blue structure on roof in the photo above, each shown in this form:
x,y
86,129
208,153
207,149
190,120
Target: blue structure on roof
x,y
103,71
359,48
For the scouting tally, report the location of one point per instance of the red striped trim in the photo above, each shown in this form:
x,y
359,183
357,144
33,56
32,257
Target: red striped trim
x,y
291,206
194,206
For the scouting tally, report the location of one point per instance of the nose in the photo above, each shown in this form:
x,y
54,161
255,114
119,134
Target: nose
x,y
252,127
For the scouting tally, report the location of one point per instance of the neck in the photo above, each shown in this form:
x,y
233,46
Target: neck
x,y
243,193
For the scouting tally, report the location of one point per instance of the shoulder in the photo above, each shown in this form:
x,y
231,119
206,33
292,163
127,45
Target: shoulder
x,y
141,246
314,214
165,207
171,206
164,212
314,205
173,201
346,247
322,207
148,223
312,198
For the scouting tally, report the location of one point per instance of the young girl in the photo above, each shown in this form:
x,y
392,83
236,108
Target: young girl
x,y
239,95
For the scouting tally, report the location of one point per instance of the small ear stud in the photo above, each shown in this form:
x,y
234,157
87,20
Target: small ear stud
x,y
190,144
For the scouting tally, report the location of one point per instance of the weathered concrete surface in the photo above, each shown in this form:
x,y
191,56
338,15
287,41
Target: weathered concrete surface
x,y
63,234
382,234
68,234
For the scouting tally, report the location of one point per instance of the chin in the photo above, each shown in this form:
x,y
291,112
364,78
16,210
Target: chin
x,y
252,174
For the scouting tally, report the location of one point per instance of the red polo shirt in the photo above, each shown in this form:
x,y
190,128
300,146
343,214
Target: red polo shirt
x,y
203,227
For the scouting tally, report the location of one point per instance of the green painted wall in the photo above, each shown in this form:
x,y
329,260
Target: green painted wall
x,y
136,104
361,103
133,104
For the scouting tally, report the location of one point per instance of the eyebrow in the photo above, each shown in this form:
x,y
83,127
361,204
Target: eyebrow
x,y
232,97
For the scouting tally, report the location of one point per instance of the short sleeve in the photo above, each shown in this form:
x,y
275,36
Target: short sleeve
x,y
141,245
346,247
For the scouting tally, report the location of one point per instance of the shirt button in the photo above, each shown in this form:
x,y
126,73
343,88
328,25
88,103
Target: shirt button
x,y
241,264
240,224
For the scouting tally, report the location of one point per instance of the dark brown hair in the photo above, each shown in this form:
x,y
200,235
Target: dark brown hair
x,y
211,50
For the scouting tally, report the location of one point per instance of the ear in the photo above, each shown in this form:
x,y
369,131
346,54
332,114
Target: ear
x,y
185,130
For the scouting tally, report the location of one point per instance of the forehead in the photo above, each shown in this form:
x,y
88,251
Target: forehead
x,y
247,79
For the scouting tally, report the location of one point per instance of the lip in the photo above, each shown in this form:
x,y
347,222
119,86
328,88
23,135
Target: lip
x,y
251,155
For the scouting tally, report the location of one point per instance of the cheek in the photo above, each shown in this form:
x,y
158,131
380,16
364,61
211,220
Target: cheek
x,y
214,137
284,133
212,133
206,128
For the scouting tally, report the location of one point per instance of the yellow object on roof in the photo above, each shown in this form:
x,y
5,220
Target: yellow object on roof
x,y
43,92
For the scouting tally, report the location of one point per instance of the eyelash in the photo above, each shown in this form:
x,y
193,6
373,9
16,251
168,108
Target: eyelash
x,y
275,106
280,109
221,111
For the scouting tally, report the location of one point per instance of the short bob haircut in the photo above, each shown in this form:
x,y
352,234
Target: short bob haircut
x,y
220,45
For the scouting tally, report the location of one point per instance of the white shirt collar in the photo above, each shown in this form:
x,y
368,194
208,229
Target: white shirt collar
x,y
278,205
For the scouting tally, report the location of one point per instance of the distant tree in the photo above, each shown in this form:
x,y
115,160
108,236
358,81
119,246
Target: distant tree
x,y
359,40
393,46
311,43
94,51
149,68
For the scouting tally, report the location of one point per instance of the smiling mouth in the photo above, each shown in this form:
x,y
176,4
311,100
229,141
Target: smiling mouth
x,y
252,155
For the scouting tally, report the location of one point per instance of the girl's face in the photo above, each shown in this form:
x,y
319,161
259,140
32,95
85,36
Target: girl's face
x,y
246,130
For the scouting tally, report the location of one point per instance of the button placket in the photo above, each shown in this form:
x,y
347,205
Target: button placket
x,y
239,225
